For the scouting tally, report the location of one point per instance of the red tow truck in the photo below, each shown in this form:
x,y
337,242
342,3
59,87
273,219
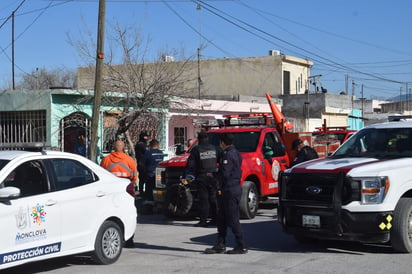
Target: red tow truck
x,y
263,153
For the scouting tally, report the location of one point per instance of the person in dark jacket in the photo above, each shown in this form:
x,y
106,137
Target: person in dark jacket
x,y
303,152
152,158
202,164
228,198
140,150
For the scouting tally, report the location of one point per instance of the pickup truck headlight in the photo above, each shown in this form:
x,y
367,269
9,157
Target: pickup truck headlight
x,y
374,189
159,173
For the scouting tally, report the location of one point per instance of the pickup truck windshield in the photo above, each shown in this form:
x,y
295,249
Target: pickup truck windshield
x,y
378,143
244,141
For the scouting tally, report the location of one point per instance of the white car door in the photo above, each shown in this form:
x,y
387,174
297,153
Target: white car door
x,y
30,224
81,199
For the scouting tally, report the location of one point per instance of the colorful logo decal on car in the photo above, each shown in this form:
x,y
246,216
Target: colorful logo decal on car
x,y
38,214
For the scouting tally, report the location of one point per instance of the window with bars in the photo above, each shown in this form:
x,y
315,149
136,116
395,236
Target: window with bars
x,y
180,135
22,126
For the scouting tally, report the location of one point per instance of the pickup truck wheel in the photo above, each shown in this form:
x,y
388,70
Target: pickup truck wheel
x,y
401,233
108,244
249,200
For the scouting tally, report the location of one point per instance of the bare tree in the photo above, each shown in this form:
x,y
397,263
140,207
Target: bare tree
x,y
45,79
141,87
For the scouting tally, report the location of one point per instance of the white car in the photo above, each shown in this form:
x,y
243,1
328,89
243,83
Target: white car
x,y
56,204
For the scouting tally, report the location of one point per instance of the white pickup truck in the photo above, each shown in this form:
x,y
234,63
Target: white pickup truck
x,y
362,192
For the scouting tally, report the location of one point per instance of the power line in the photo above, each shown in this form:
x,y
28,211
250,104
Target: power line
x,y
324,31
328,62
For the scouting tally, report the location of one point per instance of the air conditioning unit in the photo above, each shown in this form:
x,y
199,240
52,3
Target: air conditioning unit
x,y
273,52
168,58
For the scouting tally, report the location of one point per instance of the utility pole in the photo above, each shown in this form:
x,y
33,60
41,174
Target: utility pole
x,y
12,51
199,80
408,92
362,101
346,84
353,92
98,80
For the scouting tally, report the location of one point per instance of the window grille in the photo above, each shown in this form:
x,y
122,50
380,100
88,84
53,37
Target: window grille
x,y
22,127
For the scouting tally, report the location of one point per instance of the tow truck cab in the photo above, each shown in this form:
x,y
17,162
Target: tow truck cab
x,y
264,156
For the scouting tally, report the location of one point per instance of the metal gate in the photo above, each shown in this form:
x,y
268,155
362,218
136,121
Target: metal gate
x,y
22,127
71,127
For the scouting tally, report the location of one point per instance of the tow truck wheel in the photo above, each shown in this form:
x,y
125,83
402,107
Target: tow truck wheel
x,y
249,200
401,233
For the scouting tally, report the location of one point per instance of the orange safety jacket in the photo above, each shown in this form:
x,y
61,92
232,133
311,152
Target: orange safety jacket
x,y
121,165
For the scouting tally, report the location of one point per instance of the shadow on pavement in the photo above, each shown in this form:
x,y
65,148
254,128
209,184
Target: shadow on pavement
x,y
267,235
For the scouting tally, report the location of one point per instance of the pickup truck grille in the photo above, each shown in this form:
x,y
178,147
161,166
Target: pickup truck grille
x,y
318,188
172,175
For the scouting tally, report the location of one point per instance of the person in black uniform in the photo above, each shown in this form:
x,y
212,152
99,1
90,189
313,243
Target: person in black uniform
x,y
303,152
141,151
202,164
228,198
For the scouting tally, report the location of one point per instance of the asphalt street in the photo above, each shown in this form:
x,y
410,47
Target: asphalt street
x,y
164,245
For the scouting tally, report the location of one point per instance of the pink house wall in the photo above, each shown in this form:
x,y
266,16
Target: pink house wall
x,y
181,121
185,121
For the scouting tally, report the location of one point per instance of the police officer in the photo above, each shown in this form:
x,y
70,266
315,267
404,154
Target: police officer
x,y
141,152
228,198
202,164
303,152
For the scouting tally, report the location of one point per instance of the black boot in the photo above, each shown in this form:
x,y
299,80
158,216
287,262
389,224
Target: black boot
x,y
216,249
239,249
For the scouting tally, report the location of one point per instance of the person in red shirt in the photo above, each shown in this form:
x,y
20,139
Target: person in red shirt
x,y
121,164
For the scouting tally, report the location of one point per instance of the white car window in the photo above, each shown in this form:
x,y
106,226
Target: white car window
x,y
29,177
70,173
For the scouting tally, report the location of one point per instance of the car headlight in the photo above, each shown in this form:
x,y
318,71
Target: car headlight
x,y
374,189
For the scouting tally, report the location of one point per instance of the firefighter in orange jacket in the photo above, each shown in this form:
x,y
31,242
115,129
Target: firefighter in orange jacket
x,y
121,164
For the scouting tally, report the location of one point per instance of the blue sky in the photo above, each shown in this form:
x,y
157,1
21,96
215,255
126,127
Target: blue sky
x,y
369,41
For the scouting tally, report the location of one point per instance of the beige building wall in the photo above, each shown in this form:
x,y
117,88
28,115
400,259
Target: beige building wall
x,y
335,119
229,78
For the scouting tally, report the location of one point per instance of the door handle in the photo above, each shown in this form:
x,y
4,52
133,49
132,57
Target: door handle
x,y
100,194
51,202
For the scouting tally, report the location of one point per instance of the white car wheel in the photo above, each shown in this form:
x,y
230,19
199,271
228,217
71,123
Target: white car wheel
x,y
108,244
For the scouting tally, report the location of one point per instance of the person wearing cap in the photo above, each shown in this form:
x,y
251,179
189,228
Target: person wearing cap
x,y
303,152
141,151
202,164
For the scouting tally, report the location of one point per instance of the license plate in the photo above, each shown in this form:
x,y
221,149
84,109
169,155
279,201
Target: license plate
x,y
310,221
